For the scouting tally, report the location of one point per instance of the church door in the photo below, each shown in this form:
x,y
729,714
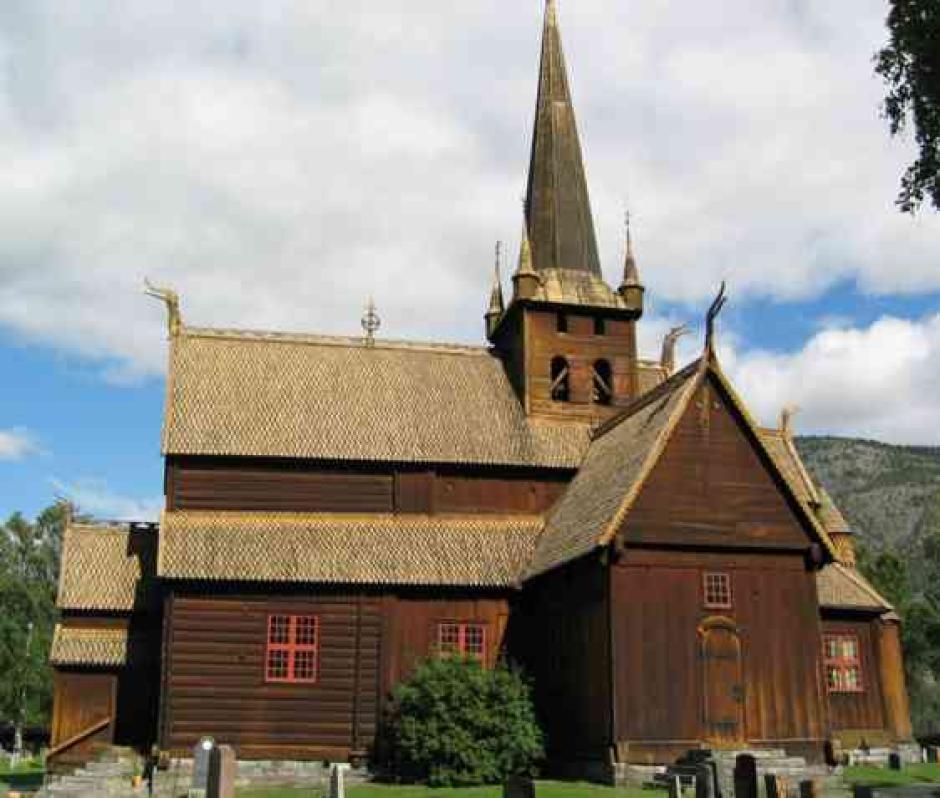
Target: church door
x,y
723,688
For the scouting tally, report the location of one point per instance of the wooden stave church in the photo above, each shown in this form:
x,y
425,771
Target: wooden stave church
x,y
665,569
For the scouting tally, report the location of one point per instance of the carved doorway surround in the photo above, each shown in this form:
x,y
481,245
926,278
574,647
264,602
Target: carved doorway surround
x,y
723,690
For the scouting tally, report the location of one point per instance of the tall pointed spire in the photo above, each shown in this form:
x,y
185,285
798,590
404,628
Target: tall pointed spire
x,y
631,289
558,211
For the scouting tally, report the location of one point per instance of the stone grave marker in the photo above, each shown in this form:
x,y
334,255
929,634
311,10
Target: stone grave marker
x,y
222,772
201,753
337,787
745,776
810,788
862,791
519,787
932,757
894,761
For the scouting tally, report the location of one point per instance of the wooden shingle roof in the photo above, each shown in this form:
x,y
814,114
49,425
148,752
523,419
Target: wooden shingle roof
x,y
843,587
484,551
283,395
105,567
88,646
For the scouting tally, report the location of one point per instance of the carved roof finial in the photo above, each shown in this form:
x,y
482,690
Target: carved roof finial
x,y
172,301
713,311
370,322
668,358
786,419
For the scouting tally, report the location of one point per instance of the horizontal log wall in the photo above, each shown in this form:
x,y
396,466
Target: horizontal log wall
x,y
226,484
214,681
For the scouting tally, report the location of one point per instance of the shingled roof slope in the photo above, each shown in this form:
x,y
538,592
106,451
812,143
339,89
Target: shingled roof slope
x,y
88,646
105,567
842,587
484,551
282,395
616,464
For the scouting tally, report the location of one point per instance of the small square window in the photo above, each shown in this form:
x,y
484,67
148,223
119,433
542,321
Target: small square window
x,y
465,639
717,590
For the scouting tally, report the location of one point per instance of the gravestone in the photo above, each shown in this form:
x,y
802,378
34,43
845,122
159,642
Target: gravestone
x,y
222,772
810,788
745,776
894,761
519,787
776,786
706,780
337,787
201,752
932,754
675,787
862,791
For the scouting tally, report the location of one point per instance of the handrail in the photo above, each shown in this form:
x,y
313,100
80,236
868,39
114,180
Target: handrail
x,y
97,726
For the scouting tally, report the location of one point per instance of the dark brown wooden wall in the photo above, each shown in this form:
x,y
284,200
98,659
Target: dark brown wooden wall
x,y
862,711
411,620
214,678
711,488
81,699
657,608
580,346
559,631
225,484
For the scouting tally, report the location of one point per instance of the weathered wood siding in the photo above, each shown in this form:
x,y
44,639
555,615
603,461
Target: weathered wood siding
x,y
214,678
711,487
657,609
559,631
581,347
411,621
214,665
226,484
864,711
81,698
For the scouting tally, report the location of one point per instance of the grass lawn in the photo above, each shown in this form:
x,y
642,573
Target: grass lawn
x,y
544,789
882,777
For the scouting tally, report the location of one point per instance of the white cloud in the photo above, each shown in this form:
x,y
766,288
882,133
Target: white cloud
x,y
94,496
880,381
16,444
277,162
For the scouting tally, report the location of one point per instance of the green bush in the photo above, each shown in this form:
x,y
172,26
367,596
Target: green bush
x,y
455,723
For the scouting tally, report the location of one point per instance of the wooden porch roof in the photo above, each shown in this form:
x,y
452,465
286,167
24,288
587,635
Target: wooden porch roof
x,y
88,646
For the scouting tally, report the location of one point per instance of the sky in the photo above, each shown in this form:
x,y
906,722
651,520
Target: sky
x,y
278,162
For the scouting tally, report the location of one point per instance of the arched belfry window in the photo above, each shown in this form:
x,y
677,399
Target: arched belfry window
x,y
559,390
602,390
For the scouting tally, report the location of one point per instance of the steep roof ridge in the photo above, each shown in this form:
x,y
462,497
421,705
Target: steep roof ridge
x,y
273,336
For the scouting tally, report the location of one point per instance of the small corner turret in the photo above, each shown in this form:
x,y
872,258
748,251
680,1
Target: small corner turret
x,y
631,289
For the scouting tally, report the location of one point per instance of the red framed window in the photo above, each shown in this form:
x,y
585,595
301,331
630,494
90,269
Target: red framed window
x,y
465,639
292,649
843,663
716,590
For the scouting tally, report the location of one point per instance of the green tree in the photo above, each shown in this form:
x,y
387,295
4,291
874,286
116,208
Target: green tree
x,y
910,67
457,723
29,568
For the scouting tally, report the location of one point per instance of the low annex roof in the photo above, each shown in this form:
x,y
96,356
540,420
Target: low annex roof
x,y
484,551
619,460
842,587
282,395
106,566
88,646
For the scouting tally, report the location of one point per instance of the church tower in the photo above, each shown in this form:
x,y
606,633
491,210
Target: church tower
x,y
567,338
